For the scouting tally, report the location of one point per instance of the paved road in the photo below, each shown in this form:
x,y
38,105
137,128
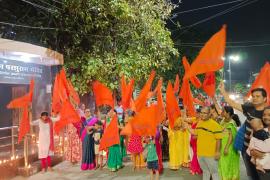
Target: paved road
x,y
66,171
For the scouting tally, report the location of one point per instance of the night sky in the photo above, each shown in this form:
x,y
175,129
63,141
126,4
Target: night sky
x,y
249,25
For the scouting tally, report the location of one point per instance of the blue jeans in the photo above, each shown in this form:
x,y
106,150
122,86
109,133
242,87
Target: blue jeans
x,y
210,168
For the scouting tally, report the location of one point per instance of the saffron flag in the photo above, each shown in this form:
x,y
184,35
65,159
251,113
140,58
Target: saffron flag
x,y
262,81
102,94
209,84
110,136
187,97
63,78
210,56
172,108
23,102
127,90
68,115
144,122
140,102
194,80
161,115
127,130
176,84
185,92
73,93
24,124
56,100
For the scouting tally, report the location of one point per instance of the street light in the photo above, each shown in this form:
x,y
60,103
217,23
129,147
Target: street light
x,y
234,58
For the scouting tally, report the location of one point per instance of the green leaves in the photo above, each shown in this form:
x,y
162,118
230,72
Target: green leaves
x,y
103,39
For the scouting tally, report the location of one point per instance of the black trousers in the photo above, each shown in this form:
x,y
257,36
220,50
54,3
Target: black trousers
x,y
264,176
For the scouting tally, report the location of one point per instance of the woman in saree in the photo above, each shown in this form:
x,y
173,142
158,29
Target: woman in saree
x,y
73,152
115,160
174,145
88,151
229,168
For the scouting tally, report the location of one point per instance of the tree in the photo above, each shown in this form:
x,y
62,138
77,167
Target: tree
x,y
103,39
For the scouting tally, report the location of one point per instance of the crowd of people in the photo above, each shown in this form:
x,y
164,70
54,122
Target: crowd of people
x,y
209,144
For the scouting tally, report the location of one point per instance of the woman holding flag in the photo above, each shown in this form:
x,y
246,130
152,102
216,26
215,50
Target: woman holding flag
x,y
88,151
115,157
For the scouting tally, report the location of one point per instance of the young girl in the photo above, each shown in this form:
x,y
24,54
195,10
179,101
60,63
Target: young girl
x,y
135,147
152,158
229,167
97,136
46,143
158,142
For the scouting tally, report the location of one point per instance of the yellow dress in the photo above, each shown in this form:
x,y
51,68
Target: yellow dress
x,y
178,146
175,145
174,149
139,162
184,146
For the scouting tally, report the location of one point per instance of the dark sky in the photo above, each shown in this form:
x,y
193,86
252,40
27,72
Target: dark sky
x,y
248,23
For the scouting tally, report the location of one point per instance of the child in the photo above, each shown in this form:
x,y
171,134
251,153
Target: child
x,y
151,158
135,146
46,143
97,136
259,134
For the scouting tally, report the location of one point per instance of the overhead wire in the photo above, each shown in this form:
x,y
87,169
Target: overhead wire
x,y
49,4
205,7
27,26
39,6
240,5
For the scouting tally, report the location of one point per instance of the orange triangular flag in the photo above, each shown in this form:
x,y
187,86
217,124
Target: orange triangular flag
x,y
209,84
187,97
24,124
194,80
110,136
63,77
160,107
68,115
145,122
127,90
140,102
132,105
102,94
176,84
23,101
262,81
56,100
210,56
73,93
127,130
172,107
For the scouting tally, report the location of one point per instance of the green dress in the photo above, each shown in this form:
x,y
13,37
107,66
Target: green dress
x,y
122,141
229,168
115,157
